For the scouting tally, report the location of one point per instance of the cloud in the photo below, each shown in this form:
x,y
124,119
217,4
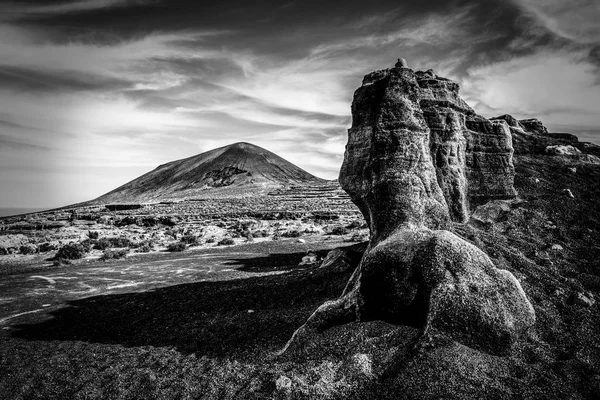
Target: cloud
x,y
110,99
576,20
14,10
559,87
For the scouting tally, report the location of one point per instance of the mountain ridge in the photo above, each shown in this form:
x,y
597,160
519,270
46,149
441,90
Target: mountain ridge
x,y
223,171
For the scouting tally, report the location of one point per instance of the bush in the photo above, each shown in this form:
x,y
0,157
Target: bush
x,y
71,251
93,234
45,247
179,246
107,243
189,239
88,244
292,234
226,242
259,234
145,247
114,254
28,249
211,239
339,230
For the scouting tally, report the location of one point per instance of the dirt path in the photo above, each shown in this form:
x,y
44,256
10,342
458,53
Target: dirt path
x,y
41,291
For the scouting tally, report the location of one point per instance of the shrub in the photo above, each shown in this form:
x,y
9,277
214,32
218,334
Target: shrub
x,y
71,251
339,230
88,244
211,239
28,249
189,239
259,234
226,242
292,234
114,254
145,247
45,247
179,246
93,234
107,243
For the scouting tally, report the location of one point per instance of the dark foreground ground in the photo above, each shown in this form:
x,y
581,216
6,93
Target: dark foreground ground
x,y
217,339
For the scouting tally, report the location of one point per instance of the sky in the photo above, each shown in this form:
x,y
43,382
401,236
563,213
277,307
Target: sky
x,y
94,93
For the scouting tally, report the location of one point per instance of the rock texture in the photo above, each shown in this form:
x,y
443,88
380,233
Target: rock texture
x,y
414,129
417,157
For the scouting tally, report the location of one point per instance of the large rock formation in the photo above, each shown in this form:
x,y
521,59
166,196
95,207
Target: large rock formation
x,y
417,157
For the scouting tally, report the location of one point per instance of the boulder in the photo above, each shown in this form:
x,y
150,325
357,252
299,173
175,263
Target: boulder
x,y
438,280
562,150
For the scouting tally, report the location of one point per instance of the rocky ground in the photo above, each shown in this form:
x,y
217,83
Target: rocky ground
x,y
115,231
219,339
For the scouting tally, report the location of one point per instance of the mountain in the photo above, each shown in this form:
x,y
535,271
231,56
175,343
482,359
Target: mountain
x,y
230,170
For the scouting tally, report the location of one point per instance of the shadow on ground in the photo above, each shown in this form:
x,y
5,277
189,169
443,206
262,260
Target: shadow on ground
x,y
274,262
237,318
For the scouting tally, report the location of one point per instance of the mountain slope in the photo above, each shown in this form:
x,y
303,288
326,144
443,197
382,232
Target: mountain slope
x,y
233,169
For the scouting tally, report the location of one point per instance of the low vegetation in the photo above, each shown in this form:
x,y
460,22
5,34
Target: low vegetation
x,y
110,254
175,247
71,251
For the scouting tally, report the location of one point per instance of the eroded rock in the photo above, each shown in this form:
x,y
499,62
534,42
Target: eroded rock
x,y
417,157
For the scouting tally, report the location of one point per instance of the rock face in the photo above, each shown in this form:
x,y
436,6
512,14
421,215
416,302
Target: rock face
x,y
417,157
413,129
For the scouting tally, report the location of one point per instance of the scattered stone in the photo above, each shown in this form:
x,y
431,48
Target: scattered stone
x,y
557,247
562,150
568,192
300,241
283,383
250,311
573,170
582,299
363,363
309,259
543,258
492,211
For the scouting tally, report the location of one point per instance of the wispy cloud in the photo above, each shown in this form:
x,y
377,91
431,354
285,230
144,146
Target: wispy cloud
x,y
559,87
14,10
576,20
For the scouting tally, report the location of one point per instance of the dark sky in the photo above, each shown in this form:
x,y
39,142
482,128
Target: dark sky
x,y
94,93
